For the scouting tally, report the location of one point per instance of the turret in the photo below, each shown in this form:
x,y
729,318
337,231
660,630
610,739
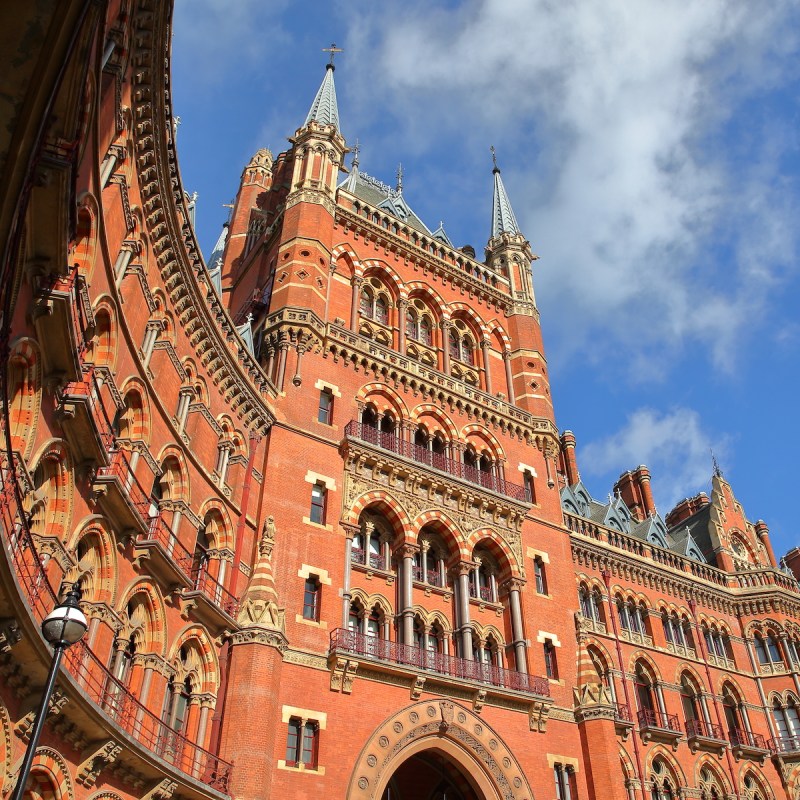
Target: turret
x,y
509,253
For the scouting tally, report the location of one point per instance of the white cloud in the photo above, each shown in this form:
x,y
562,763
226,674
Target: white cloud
x,y
657,225
673,445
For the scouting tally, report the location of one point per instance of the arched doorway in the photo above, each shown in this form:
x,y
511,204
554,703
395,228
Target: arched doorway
x,y
437,750
431,775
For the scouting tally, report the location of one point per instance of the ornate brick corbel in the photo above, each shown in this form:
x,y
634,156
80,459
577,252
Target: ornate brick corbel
x,y
25,724
98,759
337,674
349,676
417,687
163,790
479,700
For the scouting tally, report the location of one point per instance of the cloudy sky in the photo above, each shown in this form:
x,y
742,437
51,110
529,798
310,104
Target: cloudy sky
x,y
651,151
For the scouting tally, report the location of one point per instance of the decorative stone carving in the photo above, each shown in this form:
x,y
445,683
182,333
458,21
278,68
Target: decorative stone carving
x,y
102,757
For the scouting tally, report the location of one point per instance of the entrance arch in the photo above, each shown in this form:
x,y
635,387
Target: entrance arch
x,y
443,735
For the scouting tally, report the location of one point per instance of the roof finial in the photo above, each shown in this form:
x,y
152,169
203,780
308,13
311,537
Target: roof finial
x,y
399,187
715,464
333,50
356,151
494,160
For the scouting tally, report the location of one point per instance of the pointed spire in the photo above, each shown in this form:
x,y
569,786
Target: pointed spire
x,y
260,601
503,219
324,109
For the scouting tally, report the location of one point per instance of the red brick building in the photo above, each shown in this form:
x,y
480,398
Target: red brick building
x,y
328,535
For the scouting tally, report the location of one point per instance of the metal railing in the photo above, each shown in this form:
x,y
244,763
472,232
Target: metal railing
x,y
440,461
784,744
742,738
159,532
706,730
622,713
120,469
112,697
431,577
214,591
373,560
345,641
481,593
650,718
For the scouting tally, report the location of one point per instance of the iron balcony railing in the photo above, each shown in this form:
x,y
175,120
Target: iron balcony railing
x,y
203,582
360,556
85,667
650,718
779,745
699,728
743,738
440,461
431,577
359,644
622,713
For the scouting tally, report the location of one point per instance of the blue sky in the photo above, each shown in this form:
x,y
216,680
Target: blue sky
x,y
651,151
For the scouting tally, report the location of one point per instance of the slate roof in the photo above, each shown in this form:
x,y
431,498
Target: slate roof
x,y
324,109
503,219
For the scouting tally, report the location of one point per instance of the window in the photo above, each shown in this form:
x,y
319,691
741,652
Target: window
x,y
325,410
530,487
318,503
550,665
311,598
563,779
302,743
538,573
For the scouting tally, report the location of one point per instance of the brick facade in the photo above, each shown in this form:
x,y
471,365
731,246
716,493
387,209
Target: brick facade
x,y
329,537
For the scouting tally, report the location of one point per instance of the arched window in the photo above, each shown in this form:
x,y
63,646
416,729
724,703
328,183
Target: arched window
x,y
662,784
787,722
710,788
693,709
645,691
368,545
374,303
736,719
461,346
773,649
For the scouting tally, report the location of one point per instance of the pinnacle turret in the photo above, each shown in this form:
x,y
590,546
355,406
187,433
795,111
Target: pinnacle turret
x,y
503,219
324,109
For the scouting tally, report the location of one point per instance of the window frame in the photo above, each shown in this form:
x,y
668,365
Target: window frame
x,y
325,407
319,503
312,598
302,743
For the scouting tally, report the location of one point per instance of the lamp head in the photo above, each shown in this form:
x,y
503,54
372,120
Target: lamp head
x,y
66,623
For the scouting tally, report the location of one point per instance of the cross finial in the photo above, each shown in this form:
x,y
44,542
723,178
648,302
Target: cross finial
x,y
333,50
715,463
356,151
494,160
399,187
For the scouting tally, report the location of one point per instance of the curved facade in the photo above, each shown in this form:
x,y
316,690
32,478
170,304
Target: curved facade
x,y
328,536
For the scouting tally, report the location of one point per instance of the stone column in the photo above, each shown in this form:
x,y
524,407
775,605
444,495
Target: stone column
x,y
445,328
425,546
509,376
486,349
350,531
355,301
184,401
402,305
407,593
520,655
464,569
282,355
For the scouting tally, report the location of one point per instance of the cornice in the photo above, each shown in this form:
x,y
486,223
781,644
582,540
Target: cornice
x,y
411,252
630,567
342,343
241,381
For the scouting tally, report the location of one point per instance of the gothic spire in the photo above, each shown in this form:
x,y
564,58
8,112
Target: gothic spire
x,y
503,219
324,109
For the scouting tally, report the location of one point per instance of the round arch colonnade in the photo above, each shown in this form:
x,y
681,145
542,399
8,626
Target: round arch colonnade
x,y
455,732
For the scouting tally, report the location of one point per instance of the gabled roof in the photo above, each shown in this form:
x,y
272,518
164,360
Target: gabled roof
x,y
324,109
380,195
440,234
503,219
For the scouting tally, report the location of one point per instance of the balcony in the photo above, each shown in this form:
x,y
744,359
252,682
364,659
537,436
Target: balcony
x,y
659,726
705,735
168,559
369,560
438,461
84,421
785,747
438,667
429,578
121,496
623,719
481,593
746,744
210,601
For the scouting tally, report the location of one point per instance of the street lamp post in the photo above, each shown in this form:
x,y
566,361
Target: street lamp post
x,y
62,627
